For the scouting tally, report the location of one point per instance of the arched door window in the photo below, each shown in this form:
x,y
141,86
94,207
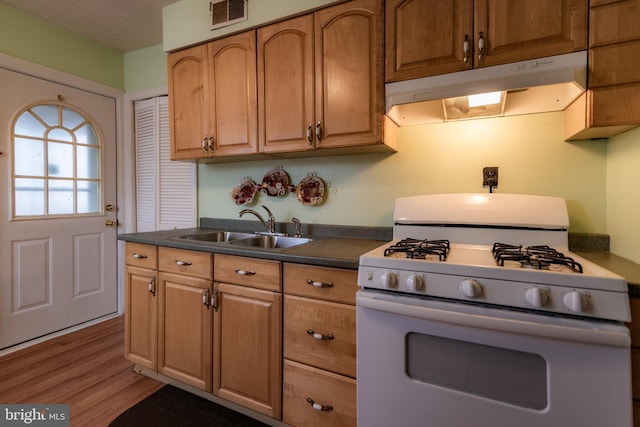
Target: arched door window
x,y
56,163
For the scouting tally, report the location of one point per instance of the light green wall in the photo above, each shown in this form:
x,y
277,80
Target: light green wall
x,y
145,69
439,158
32,39
187,22
623,194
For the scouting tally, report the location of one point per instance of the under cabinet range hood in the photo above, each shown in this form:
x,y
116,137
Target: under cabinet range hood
x,y
525,87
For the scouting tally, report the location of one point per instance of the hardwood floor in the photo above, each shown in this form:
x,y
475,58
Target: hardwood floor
x,y
85,369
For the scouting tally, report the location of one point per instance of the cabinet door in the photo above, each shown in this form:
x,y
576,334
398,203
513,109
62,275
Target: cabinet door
x,y
187,103
141,317
427,37
184,343
248,350
285,86
526,29
349,41
233,120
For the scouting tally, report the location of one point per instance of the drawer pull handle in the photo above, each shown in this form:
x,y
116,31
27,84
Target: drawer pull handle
x,y
185,263
318,336
245,272
139,256
320,284
319,407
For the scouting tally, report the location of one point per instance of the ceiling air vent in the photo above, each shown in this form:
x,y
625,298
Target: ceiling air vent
x,y
227,12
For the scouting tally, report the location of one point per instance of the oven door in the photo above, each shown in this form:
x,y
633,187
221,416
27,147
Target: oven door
x,y
440,364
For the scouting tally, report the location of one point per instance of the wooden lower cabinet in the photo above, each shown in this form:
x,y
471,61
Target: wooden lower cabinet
x,y
141,305
247,342
248,333
216,322
319,334
141,317
185,342
314,397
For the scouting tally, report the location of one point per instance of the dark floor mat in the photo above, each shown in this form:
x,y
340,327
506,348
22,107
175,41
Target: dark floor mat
x,y
173,407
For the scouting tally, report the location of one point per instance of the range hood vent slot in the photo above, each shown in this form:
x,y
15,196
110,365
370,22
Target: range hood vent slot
x,y
533,86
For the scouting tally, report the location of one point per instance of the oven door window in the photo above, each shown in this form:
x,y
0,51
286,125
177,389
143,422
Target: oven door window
x,y
505,375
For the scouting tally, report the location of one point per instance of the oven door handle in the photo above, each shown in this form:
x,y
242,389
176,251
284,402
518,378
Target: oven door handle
x,y
515,326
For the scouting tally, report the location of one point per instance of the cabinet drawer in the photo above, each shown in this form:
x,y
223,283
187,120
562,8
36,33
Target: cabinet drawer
x,y
239,270
331,284
305,317
303,382
141,255
615,106
615,64
183,261
613,23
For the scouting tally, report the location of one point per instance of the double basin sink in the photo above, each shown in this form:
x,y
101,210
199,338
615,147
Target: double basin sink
x,y
252,240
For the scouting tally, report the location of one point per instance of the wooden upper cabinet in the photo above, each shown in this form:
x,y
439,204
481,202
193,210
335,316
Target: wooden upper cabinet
x,y
285,86
213,99
232,95
349,42
526,29
187,71
427,37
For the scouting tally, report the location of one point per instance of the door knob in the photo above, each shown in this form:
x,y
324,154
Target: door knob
x,y
111,223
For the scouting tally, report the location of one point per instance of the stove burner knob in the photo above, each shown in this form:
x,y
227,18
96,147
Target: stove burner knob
x,y
414,282
388,280
576,302
470,288
536,297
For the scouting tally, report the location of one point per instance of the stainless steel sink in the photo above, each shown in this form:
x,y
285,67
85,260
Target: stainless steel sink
x,y
216,236
271,242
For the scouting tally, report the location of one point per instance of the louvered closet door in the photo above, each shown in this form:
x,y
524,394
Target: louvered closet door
x,y
166,190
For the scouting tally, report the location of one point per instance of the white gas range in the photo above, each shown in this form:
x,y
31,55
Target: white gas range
x,y
477,303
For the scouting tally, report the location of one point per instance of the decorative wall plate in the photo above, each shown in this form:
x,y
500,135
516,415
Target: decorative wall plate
x,y
310,190
275,183
244,191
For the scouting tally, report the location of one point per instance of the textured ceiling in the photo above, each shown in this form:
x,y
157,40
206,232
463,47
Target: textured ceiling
x,y
124,25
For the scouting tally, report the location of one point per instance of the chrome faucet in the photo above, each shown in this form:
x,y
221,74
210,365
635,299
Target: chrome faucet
x,y
270,223
297,225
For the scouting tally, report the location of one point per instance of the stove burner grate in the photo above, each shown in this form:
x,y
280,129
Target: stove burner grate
x,y
539,257
420,249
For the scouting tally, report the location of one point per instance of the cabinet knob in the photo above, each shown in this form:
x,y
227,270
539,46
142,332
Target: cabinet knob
x,y
318,131
138,256
183,263
310,133
205,146
318,336
317,284
319,407
465,48
152,286
480,46
245,272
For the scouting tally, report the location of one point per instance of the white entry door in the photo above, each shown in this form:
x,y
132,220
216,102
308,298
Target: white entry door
x,y
57,207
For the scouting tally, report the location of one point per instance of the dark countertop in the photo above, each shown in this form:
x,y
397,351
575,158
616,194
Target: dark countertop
x,y
621,266
332,246
341,246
